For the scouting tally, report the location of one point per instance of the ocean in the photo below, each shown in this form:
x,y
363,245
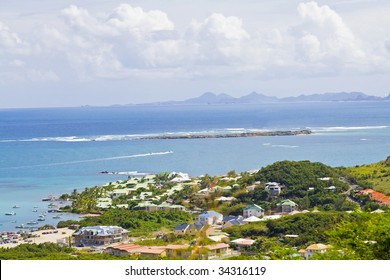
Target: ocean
x,y
53,151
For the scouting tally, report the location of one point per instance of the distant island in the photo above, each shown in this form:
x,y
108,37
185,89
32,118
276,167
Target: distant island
x,y
210,98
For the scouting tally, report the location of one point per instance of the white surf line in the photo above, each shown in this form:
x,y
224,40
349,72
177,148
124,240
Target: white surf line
x,y
90,160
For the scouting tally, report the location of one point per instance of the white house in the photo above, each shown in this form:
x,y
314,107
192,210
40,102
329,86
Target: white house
x,y
210,218
312,249
253,210
273,188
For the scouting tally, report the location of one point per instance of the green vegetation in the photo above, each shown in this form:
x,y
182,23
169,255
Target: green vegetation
x,y
375,176
139,222
48,251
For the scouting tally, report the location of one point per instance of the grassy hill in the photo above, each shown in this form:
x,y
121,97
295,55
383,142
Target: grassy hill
x,y
375,176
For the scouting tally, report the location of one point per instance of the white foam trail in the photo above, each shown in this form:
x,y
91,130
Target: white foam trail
x,y
284,146
347,128
92,160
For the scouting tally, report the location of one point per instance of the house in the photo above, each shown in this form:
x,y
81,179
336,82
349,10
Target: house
x,y
253,210
273,188
178,251
210,218
192,229
242,243
312,249
147,205
148,252
366,191
167,206
215,251
234,222
119,192
287,206
100,235
228,218
182,229
179,177
252,219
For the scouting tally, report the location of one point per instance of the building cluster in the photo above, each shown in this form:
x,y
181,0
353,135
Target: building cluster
x,y
377,197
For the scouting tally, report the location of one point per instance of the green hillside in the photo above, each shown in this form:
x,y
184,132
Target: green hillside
x,y
375,175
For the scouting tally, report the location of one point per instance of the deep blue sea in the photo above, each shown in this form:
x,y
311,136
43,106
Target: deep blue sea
x,y
53,151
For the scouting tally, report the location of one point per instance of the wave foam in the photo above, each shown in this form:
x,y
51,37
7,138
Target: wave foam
x,y
346,128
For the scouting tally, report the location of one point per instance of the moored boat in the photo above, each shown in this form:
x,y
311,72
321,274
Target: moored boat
x,y
10,213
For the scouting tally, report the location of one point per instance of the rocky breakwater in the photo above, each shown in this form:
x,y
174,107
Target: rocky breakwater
x,y
230,135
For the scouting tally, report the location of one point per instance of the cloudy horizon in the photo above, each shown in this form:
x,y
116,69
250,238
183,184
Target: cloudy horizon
x,y
73,53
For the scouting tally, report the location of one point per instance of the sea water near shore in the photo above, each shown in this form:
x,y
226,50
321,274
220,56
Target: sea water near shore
x,y
53,151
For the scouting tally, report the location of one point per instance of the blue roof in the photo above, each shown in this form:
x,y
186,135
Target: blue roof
x,y
208,214
228,218
236,222
198,225
182,227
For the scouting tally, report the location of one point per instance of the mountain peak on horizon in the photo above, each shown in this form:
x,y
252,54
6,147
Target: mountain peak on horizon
x,y
209,98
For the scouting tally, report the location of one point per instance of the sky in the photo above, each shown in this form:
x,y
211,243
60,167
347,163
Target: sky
x,y
72,53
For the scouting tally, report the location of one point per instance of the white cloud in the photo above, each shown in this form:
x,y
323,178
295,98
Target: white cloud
x,y
128,42
11,42
136,21
219,39
323,36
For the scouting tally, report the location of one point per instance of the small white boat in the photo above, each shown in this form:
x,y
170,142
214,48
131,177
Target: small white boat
x,y
32,222
21,226
41,219
10,213
57,217
16,206
35,210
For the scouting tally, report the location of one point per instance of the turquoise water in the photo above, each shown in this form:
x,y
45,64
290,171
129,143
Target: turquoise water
x,y
52,151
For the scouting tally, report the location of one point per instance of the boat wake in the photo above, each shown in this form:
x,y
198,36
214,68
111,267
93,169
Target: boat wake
x,y
93,160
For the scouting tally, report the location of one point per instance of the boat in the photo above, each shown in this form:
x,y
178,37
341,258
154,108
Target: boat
x,y
16,206
32,222
35,210
10,213
57,217
49,198
41,219
21,226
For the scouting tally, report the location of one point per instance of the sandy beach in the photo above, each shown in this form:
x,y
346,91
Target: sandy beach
x,y
52,237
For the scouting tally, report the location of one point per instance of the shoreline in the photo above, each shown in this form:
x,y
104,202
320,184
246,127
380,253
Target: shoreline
x,y
230,135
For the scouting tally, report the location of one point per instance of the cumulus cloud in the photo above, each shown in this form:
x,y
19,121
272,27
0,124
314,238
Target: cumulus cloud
x,y
129,41
219,39
323,36
11,42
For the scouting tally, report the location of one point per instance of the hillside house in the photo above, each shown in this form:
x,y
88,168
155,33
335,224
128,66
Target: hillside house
x,y
273,188
100,235
287,206
253,210
312,249
210,218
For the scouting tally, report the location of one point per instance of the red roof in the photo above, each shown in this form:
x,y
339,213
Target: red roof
x,y
377,196
367,191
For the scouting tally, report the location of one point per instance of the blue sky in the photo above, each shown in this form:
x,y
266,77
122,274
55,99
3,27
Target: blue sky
x,y
72,53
